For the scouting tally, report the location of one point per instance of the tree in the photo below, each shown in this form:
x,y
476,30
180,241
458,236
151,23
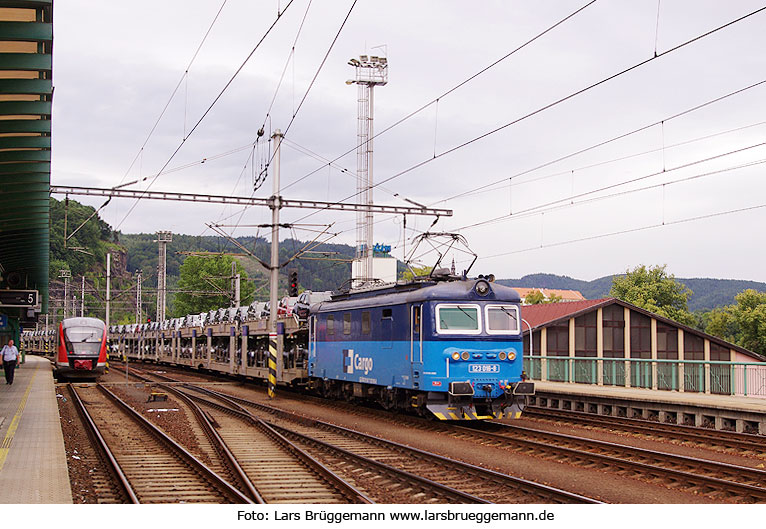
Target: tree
x,y
743,323
209,274
86,248
536,297
656,291
416,271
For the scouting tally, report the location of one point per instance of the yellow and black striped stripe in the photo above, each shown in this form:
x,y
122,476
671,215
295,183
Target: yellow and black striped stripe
x,y
272,366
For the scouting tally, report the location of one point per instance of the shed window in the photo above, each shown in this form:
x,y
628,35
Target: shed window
x,y
614,331
694,347
640,335
586,339
558,340
667,342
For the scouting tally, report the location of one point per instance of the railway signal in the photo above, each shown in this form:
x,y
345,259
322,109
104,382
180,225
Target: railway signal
x,y
293,290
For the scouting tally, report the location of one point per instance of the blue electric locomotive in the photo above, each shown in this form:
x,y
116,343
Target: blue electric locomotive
x,y
451,348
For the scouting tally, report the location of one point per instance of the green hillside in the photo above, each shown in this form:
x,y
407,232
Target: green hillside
x,y
707,293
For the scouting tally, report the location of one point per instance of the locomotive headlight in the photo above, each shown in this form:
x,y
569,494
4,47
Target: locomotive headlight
x,y
482,288
456,356
502,355
466,355
512,356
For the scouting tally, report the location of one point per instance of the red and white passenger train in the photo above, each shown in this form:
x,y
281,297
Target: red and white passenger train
x,y
82,348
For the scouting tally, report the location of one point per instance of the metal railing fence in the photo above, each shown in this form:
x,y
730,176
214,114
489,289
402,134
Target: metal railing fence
x,y
700,376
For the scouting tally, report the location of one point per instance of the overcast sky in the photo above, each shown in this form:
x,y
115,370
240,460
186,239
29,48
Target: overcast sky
x,y
117,64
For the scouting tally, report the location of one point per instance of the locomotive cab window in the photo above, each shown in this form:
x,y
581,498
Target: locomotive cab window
x,y
458,319
347,323
83,340
330,324
502,319
366,322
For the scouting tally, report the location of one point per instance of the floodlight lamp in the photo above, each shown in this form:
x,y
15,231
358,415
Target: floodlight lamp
x,y
363,58
350,81
374,59
383,61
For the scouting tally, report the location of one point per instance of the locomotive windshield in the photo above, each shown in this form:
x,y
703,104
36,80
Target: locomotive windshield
x,y
502,319
83,339
463,319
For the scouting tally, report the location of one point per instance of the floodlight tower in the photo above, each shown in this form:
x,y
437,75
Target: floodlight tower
x,y
370,71
163,238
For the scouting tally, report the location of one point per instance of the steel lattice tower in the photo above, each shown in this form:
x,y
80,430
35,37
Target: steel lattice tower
x,y
163,238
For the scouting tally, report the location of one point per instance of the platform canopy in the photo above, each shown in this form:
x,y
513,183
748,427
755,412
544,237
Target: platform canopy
x,y
26,92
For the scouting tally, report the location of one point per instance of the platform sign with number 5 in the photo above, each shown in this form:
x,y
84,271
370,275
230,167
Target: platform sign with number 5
x,y
19,298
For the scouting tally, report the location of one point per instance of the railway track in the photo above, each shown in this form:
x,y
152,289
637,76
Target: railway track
x,y
719,481
279,471
746,444
699,476
106,478
354,452
148,465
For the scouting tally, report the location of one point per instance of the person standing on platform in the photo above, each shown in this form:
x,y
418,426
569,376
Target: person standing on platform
x,y
10,356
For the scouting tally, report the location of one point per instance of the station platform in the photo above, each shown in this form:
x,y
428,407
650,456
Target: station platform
x,y
33,465
723,412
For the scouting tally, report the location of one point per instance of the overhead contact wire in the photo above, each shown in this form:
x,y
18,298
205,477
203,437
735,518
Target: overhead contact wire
x,y
217,98
558,101
454,88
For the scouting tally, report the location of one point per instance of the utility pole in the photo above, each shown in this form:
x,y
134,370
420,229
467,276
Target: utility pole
x,y
108,284
138,296
275,203
235,298
163,238
82,298
65,275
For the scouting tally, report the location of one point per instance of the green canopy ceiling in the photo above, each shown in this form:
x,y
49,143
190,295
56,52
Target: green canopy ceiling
x,y
26,93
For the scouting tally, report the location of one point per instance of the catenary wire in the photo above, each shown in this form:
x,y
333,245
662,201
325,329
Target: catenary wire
x,y
173,94
556,102
454,88
199,121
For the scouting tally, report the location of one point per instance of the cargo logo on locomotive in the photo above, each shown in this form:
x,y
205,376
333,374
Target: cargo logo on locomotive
x,y
353,362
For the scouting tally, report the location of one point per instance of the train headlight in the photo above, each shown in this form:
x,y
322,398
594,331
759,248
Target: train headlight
x,y
482,288
511,356
502,355
466,355
456,356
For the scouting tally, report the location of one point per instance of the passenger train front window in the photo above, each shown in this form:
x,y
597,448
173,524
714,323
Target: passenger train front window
x,y
458,319
502,319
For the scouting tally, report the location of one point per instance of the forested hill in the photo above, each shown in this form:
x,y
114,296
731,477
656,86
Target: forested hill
x,y
318,273
707,293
